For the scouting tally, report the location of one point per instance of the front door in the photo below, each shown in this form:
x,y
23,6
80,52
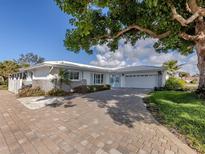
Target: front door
x,y
115,80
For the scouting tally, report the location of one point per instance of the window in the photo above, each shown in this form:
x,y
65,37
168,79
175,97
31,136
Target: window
x,y
98,78
74,75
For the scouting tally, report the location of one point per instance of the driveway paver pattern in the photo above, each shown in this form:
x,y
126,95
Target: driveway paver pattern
x,y
108,122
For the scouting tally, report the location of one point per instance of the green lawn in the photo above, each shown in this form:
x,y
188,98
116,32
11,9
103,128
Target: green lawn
x,y
182,111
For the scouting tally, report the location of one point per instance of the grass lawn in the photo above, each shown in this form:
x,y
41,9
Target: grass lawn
x,y
182,111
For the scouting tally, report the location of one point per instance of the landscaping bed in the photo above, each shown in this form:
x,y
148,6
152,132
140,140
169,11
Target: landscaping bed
x,y
83,89
183,113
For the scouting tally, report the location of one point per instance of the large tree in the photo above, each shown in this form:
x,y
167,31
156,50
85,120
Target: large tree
x,y
7,68
29,59
176,24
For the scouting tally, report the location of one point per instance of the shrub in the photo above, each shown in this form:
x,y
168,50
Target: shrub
x,y
29,91
190,87
3,82
175,84
81,89
159,88
57,92
194,81
90,88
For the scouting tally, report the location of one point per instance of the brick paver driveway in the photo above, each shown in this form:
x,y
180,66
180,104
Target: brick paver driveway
x,y
113,122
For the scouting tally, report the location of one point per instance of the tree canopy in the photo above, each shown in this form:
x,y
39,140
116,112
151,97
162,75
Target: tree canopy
x,y
7,68
175,24
29,59
97,22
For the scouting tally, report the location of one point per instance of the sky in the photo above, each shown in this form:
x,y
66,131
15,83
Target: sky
x,y
39,26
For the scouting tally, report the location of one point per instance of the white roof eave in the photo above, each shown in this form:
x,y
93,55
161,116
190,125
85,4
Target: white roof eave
x,y
65,64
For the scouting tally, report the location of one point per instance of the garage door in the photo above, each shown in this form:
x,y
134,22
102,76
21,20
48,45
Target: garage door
x,y
140,81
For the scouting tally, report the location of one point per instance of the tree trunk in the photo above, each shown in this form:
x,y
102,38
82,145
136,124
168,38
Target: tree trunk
x,y
200,48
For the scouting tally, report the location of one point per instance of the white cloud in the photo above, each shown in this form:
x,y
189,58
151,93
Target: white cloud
x,y
142,53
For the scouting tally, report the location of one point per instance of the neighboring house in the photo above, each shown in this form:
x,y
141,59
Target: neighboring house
x,y
41,76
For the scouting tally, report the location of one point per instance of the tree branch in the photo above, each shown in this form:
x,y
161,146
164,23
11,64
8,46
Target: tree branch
x,y
181,20
193,6
188,8
188,37
138,28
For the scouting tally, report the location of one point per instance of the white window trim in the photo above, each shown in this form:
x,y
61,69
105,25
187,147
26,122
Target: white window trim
x,y
75,72
101,78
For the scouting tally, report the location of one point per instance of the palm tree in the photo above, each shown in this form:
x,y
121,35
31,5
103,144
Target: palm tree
x,y
171,67
63,77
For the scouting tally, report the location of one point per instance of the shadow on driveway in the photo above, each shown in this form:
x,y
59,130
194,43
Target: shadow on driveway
x,y
124,106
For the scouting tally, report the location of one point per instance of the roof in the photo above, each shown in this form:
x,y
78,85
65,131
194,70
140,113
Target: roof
x,y
95,68
139,68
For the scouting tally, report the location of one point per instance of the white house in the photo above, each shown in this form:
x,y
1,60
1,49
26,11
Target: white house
x,y
42,74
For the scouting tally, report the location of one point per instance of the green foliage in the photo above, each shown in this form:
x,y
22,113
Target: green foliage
x,y
190,87
194,81
63,77
171,67
175,84
183,74
29,59
7,68
30,92
184,112
57,92
90,88
3,83
91,21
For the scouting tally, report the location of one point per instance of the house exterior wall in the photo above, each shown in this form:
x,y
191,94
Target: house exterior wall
x,y
107,78
43,76
44,84
87,77
122,80
41,73
44,79
164,78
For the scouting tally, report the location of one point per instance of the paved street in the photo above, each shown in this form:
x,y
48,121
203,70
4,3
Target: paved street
x,y
109,122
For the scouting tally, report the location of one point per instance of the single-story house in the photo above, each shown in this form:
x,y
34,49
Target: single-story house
x,y
42,74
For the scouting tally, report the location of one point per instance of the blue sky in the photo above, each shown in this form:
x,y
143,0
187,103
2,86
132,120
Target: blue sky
x,y
37,26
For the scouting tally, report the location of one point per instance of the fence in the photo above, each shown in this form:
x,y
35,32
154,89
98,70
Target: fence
x,y
15,85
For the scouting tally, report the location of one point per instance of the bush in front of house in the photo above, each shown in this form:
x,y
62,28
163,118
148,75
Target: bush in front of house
x,y
174,83
29,92
194,81
90,88
3,82
57,92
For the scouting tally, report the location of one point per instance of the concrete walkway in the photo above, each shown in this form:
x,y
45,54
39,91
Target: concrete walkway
x,y
109,122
